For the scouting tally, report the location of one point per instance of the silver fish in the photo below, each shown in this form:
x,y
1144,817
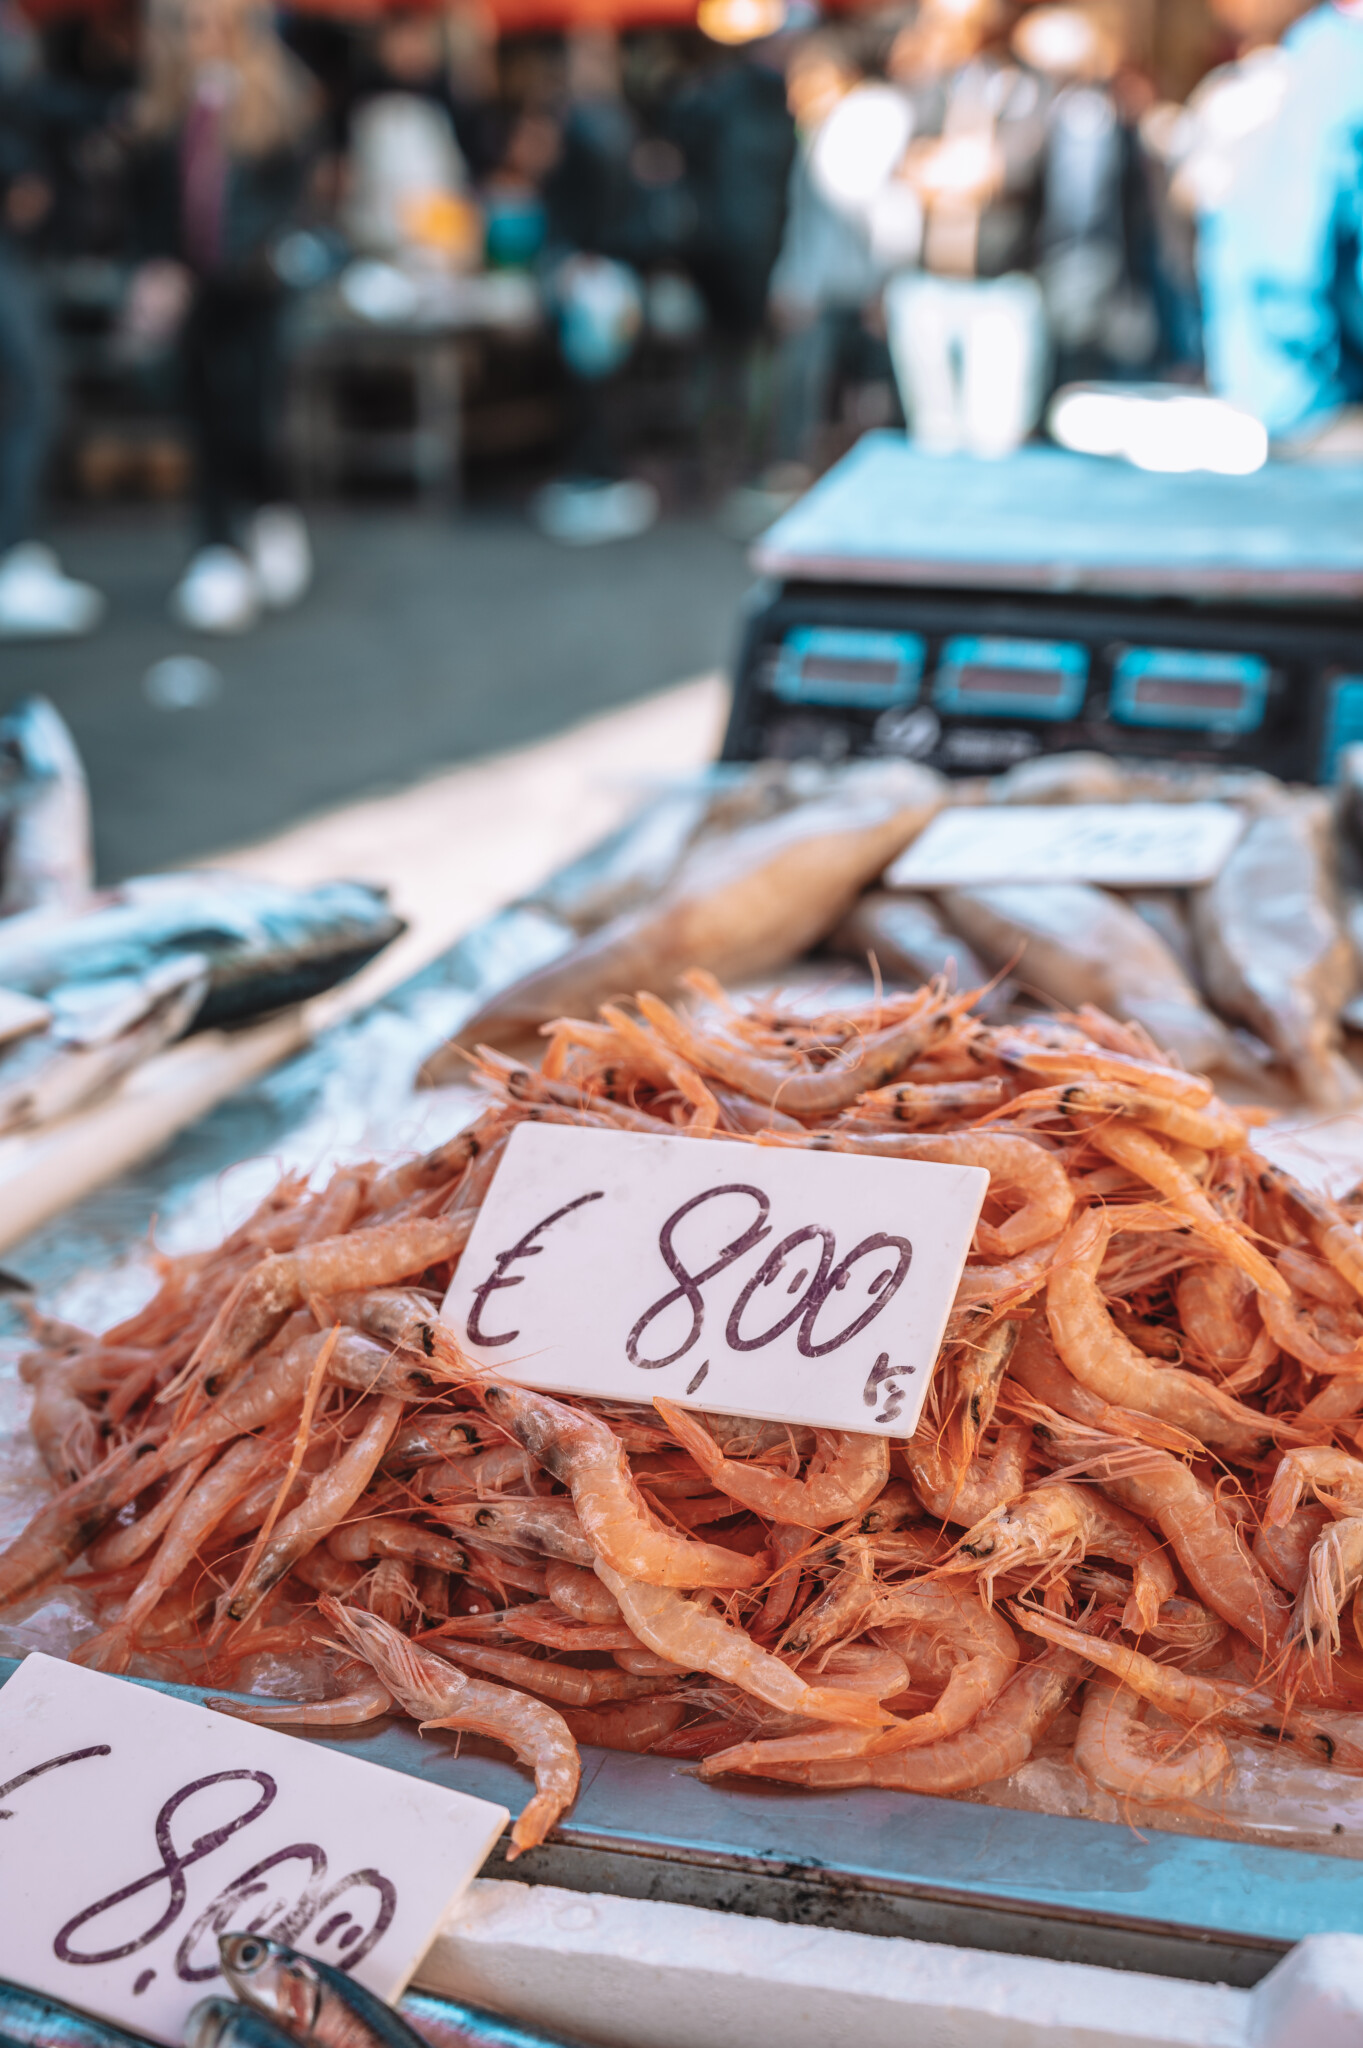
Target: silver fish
x,y
318,2004
911,942
45,800
1274,952
265,945
1075,945
739,904
90,1044
30,2020
222,2023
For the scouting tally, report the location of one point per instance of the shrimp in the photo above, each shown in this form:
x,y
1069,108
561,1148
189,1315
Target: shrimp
x,y
1334,1573
687,1633
1102,1359
585,1455
580,1593
123,1546
956,1493
1116,1751
263,1302
367,1700
1332,1476
1322,1220
432,1436
912,1104
1036,1366
1284,1548
332,1495
538,1621
438,1696
1090,1063
389,1536
1148,1158
1301,1332
62,1426
68,1524
1187,1696
1216,1310
1202,1536
481,1474
1020,1164
676,1073
868,1063
635,1725
198,1516
547,1526
845,1475
979,1375
1055,1525
1000,1740
1210,1128
564,1684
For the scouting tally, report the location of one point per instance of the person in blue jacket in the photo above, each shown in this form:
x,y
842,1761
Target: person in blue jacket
x,y
1281,258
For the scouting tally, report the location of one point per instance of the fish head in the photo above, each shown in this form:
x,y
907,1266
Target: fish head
x,y
271,1977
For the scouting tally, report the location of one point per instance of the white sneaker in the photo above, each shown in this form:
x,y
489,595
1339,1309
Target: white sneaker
x,y
281,555
38,602
218,593
583,515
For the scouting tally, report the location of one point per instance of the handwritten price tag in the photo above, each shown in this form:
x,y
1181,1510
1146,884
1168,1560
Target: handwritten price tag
x,y
807,1287
135,1828
1122,846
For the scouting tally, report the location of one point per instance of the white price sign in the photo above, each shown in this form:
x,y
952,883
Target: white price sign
x,y
1118,846
808,1287
135,1828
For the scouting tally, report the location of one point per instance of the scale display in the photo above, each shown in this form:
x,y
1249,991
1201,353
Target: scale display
x,y
858,670
1011,678
1173,686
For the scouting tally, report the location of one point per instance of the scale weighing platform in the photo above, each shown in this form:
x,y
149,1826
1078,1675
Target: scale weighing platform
x,y
972,614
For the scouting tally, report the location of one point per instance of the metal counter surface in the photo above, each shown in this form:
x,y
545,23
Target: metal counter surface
x,y
894,1863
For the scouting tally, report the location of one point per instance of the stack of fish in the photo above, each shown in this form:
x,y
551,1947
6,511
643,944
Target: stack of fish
x,y
283,2000
742,877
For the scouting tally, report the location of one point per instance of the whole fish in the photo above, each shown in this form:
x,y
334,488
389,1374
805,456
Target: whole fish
x,y
739,904
29,2019
910,939
89,1045
1274,951
45,803
265,945
222,2023
1075,944
314,2002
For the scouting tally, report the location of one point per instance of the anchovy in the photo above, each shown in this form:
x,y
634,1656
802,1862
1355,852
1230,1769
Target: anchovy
x,y
222,2023
320,2005
263,945
28,2019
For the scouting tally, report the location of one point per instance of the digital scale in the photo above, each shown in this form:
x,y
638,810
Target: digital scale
x,y
973,614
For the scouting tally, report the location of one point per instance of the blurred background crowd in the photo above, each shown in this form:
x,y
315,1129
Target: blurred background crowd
x,y
603,255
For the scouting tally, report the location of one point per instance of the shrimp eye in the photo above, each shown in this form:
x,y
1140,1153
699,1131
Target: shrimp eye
x,y
249,1954
985,1548
485,1518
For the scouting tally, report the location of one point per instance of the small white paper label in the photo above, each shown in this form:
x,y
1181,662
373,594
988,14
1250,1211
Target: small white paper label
x,y
135,1828
1121,846
808,1287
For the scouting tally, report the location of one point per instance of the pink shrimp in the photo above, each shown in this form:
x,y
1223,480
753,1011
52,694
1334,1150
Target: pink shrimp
x,y
956,1493
845,1475
438,1696
389,1536
1115,1750
366,1700
565,1684
1053,1526
549,1527
1148,1158
585,1455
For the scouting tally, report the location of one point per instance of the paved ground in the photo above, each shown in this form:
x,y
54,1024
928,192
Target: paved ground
x,y
426,642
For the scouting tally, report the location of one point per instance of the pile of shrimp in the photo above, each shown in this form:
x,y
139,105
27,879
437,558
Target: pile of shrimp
x,y
1132,1511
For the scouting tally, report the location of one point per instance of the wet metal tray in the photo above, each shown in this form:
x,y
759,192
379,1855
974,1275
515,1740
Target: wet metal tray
x,y
645,1827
